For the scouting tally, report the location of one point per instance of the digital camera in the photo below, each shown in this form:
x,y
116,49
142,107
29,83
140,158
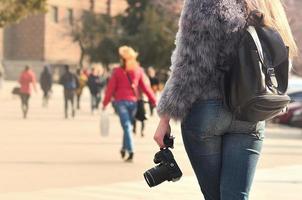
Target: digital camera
x,y
167,168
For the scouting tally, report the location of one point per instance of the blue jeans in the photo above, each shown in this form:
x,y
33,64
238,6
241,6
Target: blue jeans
x,y
223,151
126,111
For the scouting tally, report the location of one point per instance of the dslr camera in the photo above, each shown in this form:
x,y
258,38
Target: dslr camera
x,y
167,168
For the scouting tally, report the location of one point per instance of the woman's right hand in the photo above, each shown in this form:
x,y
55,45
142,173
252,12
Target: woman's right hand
x,y
162,129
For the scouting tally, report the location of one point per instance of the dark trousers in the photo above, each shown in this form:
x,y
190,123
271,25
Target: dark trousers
x,y
95,101
79,101
24,103
151,109
69,97
45,97
142,126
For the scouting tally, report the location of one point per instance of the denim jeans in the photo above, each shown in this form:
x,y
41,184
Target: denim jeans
x,y
223,151
126,111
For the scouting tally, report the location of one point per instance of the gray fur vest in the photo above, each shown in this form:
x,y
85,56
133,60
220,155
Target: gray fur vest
x,y
208,33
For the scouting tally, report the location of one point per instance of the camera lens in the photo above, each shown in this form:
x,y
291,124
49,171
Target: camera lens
x,y
156,175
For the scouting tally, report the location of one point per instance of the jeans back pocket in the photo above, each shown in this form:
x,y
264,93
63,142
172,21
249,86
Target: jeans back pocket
x,y
202,120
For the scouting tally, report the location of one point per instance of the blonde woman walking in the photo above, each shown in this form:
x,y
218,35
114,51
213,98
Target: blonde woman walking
x,y
123,88
223,151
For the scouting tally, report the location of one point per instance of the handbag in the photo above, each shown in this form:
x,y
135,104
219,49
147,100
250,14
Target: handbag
x,y
16,91
140,110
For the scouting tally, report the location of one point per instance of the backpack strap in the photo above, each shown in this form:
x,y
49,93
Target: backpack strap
x,y
270,77
252,31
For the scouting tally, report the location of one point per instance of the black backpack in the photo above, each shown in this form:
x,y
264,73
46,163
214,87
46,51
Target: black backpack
x,y
256,84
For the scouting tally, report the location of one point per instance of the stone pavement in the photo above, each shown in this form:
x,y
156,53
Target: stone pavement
x,y
278,183
49,158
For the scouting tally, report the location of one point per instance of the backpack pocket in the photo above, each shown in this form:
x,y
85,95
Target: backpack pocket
x,y
262,107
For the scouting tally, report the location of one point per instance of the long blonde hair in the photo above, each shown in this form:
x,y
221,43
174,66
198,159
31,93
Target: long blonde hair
x,y
275,17
129,57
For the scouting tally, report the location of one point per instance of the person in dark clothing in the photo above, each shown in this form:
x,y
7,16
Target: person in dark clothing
x,y
70,83
154,81
46,84
96,83
140,114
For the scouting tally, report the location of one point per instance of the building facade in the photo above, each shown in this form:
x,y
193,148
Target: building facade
x,y
46,38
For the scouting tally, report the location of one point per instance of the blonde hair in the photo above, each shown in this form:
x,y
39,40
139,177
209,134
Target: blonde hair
x,y
275,17
130,56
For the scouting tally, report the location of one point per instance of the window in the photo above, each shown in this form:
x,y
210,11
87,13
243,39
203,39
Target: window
x,y
70,16
54,14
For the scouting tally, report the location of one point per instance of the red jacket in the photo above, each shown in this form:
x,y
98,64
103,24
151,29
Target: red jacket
x,y
120,89
26,78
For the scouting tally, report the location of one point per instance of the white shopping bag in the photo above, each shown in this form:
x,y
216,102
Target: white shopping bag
x,y
104,125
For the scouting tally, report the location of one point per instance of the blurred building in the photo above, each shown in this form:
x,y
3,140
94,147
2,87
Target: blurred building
x,y
45,38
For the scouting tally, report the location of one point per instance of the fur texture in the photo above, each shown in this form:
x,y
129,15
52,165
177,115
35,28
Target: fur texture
x,y
207,35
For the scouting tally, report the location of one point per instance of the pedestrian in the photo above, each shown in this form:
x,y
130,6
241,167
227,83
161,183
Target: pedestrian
x,y
140,114
86,72
123,87
1,79
223,150
1,76
82,83
154,81
70,84
26,80
96,83
46,84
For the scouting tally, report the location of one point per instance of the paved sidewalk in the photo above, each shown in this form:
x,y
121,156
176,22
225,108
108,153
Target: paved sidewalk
x,y
49,158
271,184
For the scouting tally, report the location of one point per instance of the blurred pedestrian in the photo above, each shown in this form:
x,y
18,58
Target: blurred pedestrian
x,y
1,79
82,83
26,80
1,76
154,81
70,83
86,72
123,87
96,83
46,84
141,115
223,150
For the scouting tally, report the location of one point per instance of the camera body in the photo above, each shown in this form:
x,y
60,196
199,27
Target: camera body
x,y
167,168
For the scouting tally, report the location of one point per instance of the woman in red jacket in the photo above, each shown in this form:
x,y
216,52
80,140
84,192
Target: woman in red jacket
x,y
123,88
26,79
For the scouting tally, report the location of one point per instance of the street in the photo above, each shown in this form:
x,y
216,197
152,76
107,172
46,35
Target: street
x,y
47,157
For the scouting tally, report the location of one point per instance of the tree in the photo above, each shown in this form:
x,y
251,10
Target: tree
x,y
97,38
150,27
134,15
155,39
14,10
109,5
92,5
106,41
171,7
